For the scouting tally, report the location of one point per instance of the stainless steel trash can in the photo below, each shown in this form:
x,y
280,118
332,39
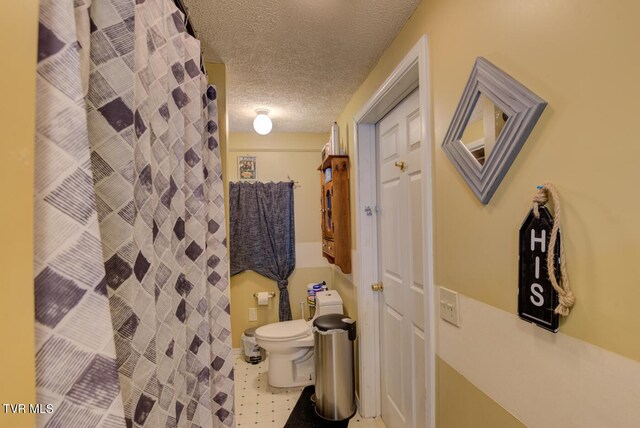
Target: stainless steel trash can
x,y
252,352
335,383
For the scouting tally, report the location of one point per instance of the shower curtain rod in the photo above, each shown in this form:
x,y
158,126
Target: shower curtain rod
x,y
187,23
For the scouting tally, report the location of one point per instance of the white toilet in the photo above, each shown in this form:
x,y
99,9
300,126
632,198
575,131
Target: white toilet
x,y
290,344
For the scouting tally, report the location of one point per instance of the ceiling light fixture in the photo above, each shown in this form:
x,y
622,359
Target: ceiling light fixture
x,y
262,123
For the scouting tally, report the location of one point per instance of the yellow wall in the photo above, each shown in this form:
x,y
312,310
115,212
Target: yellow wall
x,y
279,156
460,404
343,285
579,56
18,44
585,143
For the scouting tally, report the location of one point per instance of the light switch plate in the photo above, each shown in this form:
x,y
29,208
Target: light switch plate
x,y
449,306
253,314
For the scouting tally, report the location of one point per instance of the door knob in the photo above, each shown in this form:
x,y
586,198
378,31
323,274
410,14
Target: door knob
x,y
402,165
377,286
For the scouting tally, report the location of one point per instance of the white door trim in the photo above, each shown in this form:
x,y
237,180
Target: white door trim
x,y
411,73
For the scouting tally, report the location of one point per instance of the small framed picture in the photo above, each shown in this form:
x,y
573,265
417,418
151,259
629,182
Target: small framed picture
x,y
247,168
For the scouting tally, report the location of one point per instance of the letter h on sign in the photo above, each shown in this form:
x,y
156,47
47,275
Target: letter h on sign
x,y
537,298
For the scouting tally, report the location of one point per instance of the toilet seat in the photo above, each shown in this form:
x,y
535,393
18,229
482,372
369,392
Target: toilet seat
x,y
284,331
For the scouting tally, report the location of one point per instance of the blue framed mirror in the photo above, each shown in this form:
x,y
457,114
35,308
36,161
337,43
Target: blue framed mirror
x,y
493,120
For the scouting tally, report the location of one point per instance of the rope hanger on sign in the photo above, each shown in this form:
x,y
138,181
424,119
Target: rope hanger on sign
x,y
565,294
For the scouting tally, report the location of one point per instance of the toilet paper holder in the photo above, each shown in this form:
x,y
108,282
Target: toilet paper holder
x,y
271,295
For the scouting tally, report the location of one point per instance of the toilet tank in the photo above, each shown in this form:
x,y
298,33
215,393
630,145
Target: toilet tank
x,y
328,302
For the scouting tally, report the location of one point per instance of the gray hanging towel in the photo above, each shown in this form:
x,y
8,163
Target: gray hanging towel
x,y
262,233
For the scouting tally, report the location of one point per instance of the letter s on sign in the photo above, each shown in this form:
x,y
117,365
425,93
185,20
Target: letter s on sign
x,y
537,298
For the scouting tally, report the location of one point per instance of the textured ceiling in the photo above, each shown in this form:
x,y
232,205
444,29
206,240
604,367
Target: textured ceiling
x,y
301,59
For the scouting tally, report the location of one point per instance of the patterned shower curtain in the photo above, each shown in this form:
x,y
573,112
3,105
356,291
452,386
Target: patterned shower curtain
x,y
131,282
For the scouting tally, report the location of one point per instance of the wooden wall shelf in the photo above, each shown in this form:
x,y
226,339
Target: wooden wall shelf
x,y
335,206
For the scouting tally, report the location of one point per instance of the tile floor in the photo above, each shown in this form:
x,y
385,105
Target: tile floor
x,y
260,405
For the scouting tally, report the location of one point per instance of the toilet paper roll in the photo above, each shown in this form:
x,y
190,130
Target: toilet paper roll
x,y
263,298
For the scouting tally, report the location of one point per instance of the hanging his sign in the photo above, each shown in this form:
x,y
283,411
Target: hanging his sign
x,y
541,297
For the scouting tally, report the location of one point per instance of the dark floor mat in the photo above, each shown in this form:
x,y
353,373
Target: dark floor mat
x,y
304,414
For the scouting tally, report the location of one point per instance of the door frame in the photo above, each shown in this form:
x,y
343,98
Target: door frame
x,y
411,73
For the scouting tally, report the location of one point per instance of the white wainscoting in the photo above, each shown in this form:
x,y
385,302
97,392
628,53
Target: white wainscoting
x,y
309,255
544,380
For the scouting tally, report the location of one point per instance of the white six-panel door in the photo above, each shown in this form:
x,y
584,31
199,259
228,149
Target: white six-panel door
x,y
402,339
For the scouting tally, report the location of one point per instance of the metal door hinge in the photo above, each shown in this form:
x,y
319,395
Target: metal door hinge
x,y
368,210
